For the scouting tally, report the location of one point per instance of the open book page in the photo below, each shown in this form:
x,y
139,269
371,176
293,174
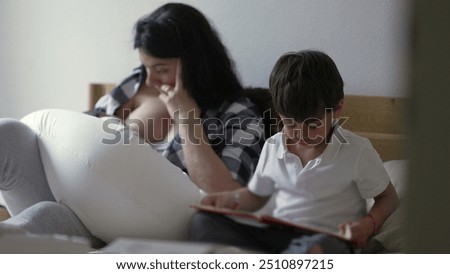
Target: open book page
x,y
254,219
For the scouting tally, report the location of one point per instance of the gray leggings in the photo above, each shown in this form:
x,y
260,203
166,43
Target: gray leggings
x,y
24,185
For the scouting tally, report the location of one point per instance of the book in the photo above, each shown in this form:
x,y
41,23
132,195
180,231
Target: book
x,y
256,219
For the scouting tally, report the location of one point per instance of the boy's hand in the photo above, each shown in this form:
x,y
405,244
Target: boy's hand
x,y
360,230
225,199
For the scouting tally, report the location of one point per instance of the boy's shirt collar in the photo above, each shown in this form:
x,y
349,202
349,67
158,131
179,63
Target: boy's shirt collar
x,y
333,147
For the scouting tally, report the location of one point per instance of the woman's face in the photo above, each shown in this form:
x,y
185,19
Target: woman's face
x,y
159,71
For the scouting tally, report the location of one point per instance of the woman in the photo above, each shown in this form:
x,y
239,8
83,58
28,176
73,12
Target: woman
x,y
184,100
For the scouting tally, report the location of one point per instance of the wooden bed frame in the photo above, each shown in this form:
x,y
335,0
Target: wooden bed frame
x,y
380,119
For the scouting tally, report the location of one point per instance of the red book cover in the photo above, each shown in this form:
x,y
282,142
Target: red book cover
x,y
270,220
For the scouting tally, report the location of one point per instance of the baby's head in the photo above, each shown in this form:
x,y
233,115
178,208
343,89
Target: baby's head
x,y
307,91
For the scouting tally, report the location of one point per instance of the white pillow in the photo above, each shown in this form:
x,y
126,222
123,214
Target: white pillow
x,y
2,201
117,190
391,234
397,172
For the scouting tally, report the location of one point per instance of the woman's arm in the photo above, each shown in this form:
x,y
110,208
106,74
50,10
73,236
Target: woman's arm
x,y
242,199
205,167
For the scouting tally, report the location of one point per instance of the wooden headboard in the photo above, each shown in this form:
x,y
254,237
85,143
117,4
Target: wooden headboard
x,y
381,120
378,118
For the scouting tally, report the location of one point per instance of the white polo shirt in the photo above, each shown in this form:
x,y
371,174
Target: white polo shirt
x,y
327,191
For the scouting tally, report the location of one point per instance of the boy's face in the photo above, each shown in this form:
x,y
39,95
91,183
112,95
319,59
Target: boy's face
x,y
312,131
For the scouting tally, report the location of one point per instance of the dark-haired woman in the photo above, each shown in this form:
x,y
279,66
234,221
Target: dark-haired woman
x,y
184,101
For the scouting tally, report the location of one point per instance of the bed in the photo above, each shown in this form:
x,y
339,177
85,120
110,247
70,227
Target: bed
x,y
379,118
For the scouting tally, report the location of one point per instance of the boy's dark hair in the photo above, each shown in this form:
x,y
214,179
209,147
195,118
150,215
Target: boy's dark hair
x,y
303,84
177,30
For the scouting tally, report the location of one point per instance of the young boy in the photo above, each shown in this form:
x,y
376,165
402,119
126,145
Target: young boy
x,y
322,173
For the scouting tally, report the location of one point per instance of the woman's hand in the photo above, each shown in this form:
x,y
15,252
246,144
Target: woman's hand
x,y
205,168
242,199
179,103
226,199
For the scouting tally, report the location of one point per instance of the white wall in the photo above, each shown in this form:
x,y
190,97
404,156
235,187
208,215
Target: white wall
x,y
50,50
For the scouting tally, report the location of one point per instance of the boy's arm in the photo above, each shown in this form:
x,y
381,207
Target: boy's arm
x,y
385,203
241,198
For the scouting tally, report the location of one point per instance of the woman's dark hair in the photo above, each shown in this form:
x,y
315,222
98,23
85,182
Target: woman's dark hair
x,y
304,84
179,31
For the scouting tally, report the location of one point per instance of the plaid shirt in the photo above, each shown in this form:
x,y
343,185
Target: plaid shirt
x,y
235,130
